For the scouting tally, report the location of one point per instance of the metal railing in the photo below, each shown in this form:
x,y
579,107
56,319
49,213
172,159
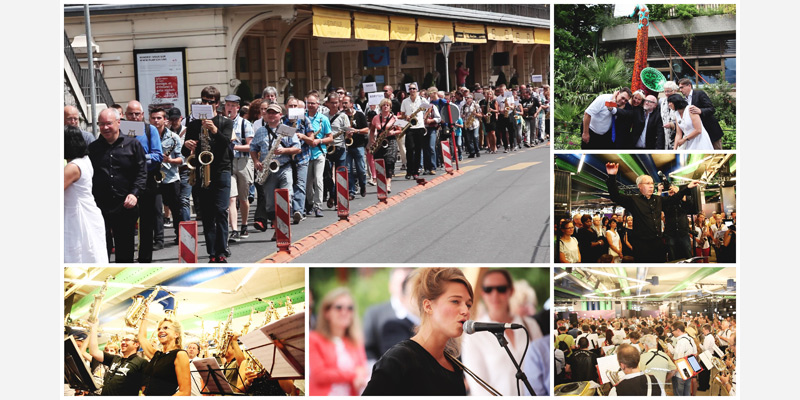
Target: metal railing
x,y
85,75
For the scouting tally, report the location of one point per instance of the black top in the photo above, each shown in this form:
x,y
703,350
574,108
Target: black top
x,y
530,106
589,254
120,169
407,369
646,212
161,377
675,222
359,121
220,144
124,376
584,366
638,386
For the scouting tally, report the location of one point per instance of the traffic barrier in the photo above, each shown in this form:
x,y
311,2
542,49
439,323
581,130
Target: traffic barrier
x,y
448,163
342,193
380,171
283,212
187,239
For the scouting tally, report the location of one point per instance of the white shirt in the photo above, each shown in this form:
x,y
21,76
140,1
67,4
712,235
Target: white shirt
x,y
601,117
684,347
481,353
591,337
408,107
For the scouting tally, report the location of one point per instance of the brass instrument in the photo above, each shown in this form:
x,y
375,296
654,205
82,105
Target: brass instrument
x,y
94,310
206,157
613,376
289,306
246,327
332,147
470,120
253,365
137,310
192,170
271,164
380,142
226,334
412,120
506,107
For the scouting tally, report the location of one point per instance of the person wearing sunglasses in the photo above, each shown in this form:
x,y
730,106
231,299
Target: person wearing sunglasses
x,y
338,362
481,351
215,198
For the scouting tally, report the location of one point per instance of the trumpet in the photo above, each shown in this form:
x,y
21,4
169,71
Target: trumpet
x,y
137,310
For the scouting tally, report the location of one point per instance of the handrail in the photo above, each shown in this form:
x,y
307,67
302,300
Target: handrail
x,y
84,75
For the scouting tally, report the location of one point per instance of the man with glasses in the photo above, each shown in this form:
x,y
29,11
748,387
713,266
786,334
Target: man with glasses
x,y
215,198
668,116
646,210
599,132
125,370
300,160
700,103
149,211
318,142
415,135
648,128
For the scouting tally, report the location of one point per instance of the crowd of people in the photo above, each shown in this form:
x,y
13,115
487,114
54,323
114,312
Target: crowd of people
x,y
216,167
133,364
413,344
647,349
682,119
657,226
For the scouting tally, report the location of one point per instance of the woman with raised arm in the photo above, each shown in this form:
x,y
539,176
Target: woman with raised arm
x,y
167,374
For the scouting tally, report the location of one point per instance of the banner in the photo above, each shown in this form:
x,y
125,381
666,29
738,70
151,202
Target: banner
x,y
160,76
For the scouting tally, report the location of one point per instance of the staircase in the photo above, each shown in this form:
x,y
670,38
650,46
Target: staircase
x,y
77,89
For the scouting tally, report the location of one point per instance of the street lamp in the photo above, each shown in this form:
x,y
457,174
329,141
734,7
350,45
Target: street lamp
x,y
446,42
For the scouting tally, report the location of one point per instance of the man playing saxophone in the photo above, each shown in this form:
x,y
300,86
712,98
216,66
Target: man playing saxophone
x,y
215,197
281,149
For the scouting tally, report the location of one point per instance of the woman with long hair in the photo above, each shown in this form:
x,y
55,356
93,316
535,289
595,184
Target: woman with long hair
x,y
614,243
384,121
481,352
426,364
701,236
167,373
568,251
84,227
490,110
337,356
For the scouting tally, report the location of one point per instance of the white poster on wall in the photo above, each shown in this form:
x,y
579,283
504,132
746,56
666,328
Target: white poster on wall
x,y
161,79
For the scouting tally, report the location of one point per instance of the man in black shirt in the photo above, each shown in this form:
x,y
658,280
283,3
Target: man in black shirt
x,y
646,210
676,228
214,199
583,363
124,376
356,152
119,178
634,383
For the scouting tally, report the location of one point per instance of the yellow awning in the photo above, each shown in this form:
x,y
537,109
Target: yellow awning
x,y
500,33
470,33
541,36
331,23
371,26
523,36
403,28
430,31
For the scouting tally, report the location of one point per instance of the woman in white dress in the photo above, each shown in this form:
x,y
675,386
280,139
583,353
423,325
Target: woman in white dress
x,y
690,133
84,229
568,245
614,243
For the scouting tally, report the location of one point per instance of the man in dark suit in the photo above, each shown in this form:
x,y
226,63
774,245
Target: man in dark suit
x,y
628,117
700,103
648,130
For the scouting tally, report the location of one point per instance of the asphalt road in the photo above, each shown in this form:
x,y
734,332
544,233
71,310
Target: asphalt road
x,y
485,215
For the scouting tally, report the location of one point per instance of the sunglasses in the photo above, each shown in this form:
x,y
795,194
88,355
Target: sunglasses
x,y
500,289
340,307
208,101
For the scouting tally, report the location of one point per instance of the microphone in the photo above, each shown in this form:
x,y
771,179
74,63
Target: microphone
x,y
471,327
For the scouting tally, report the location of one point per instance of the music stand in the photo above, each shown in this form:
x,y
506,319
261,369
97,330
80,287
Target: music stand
x,y
213,379
280,346
76,372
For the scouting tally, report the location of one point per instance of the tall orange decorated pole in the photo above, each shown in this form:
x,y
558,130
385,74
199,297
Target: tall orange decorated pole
x,y
640,60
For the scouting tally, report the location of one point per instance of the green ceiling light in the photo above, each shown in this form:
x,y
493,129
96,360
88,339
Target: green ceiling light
x,y
697,276
631,162
623,281
243,310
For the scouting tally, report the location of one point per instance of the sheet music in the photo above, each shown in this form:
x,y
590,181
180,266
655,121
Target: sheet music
x,y
291,332
203,365
608,363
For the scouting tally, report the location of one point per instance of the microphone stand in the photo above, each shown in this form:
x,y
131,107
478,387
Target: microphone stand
x,y
520,375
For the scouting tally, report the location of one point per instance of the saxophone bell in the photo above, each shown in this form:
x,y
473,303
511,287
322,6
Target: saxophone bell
x,y
273,166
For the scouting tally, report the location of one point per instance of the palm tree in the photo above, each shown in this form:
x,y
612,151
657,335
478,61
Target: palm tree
x,y
603,74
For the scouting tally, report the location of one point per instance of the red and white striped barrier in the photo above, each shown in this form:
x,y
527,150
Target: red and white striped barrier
x,y
283,212
380,171
187,242
342,193
448,163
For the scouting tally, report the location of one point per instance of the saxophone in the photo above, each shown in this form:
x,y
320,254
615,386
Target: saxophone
x,y
332,147
412,120
94,310
271,164
380,142
226,334
136,312
470,119
506,107
246,327
206,157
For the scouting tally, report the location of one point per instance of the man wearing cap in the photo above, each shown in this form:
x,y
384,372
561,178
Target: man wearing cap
x,y
242,168
125,370
149,212
260,147
215,198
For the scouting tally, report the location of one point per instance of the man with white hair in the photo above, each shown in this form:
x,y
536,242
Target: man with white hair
x,y
668,116
656,362
648,129
73,118
646,209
